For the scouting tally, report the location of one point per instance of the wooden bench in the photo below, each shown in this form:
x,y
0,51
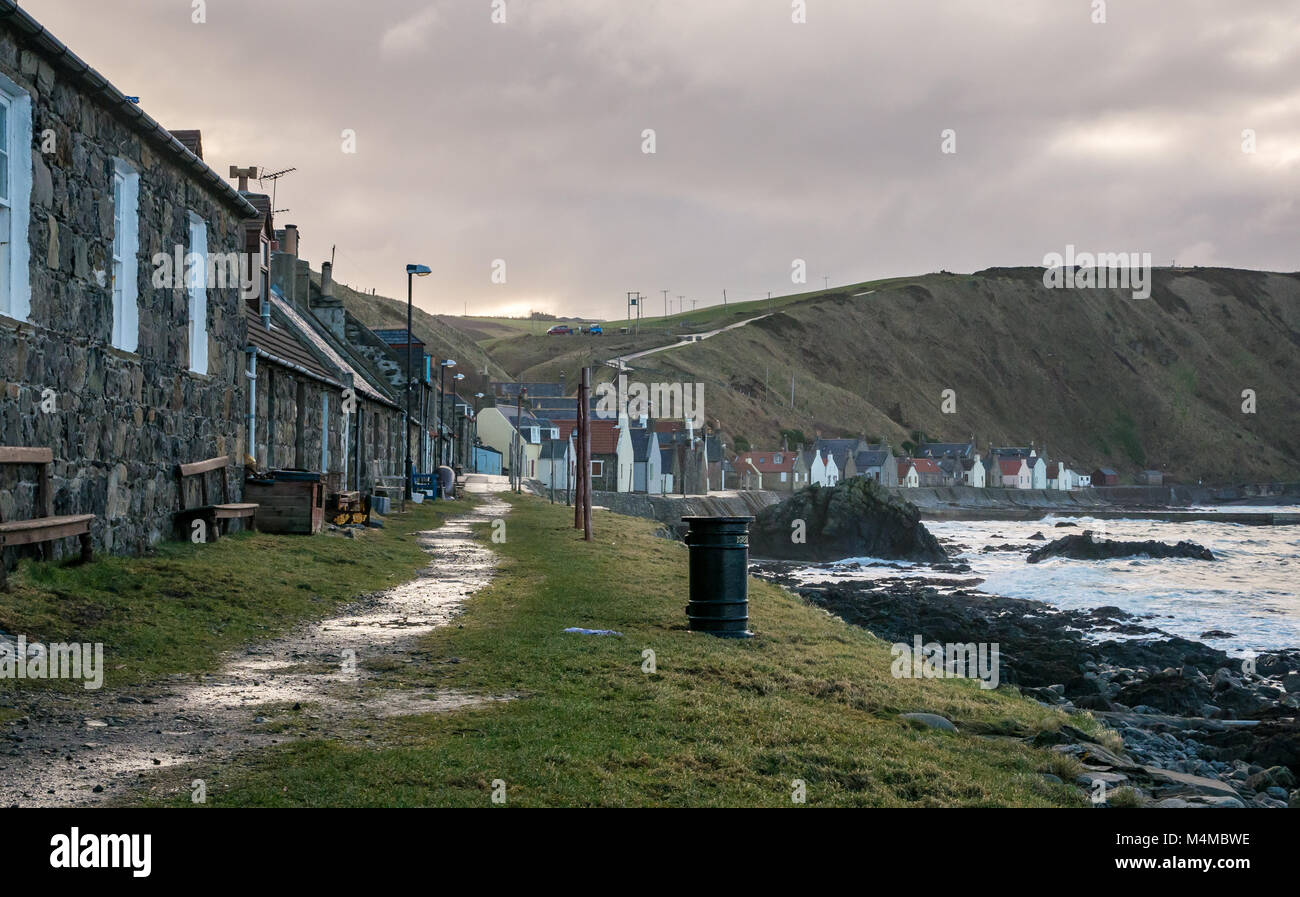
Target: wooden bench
x,y
46,529
387,486
216,517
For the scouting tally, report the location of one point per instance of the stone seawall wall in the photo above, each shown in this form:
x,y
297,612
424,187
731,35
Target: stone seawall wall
x,y
118,422
671,509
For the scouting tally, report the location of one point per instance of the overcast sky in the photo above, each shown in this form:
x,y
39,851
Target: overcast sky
x,y
774,141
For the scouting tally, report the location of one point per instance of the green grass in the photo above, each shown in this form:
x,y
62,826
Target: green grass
x,y
720,722
178,610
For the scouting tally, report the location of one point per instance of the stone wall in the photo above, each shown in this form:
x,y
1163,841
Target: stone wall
x,y
290,422
118,422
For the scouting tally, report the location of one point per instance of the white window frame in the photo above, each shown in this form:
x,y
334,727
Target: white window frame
x,y
16,209
197,276
126,253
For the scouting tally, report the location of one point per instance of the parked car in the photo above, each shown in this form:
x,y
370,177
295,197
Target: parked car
x,y
595,328
560,330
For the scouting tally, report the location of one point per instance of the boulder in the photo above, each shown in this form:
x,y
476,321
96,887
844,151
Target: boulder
x,y
856,518
930,721
1085,547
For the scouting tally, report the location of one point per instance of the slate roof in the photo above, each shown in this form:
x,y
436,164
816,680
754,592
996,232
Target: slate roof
x,y
952,466
510,389
360,383
398,337
640,445
868,459
554,449
941,449
284,342
509,412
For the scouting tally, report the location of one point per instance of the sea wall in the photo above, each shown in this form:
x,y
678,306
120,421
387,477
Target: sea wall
x,y
670,509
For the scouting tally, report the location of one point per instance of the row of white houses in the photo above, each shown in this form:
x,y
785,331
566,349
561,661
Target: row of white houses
x,y
830,461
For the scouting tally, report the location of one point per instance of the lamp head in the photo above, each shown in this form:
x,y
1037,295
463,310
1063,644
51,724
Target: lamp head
x,y
418,270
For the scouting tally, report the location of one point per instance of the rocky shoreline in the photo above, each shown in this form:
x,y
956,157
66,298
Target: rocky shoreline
x,y
1198,728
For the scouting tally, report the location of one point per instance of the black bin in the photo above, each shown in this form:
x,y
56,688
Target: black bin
x,y
719,565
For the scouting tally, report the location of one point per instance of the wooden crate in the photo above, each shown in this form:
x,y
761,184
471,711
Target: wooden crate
x,y
287,506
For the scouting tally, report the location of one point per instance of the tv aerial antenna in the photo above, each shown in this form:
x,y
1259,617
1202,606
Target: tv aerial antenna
x,y
274,178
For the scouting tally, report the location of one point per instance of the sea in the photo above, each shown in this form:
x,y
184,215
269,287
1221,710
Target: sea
x,y
1251,592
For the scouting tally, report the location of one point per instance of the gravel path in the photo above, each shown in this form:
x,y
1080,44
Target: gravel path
x,y
80,749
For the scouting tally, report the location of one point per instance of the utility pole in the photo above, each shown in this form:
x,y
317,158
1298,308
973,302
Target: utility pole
x,y
826,281
665,292
586,455
580,481
519,438
792,390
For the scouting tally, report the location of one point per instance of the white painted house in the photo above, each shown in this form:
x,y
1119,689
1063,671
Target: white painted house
x,y
647,475
908,476
974,472
1060,477
626,480
1013,473
1037,470
823,471
557,463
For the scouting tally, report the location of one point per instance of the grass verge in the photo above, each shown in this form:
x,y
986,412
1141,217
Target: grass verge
x,y
177,610
718,722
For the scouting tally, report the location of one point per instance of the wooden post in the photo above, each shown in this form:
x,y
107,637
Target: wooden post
x,y
577,448
586,456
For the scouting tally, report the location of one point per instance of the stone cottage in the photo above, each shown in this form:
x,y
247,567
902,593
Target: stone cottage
x,y
121,331
371,416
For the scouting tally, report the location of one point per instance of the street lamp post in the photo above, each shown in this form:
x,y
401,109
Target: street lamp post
x,y
411,271
453,418
517,462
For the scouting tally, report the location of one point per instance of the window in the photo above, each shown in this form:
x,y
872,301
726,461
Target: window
x,y
776,459
597,468
15,199
783,476
197,261
126,248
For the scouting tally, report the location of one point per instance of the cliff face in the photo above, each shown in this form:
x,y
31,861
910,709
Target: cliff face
x,y
1096,376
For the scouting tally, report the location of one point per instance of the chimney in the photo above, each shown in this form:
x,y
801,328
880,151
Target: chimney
x,y
290,242
243,174
326,279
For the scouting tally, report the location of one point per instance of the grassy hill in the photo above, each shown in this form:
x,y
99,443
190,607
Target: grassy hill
x,y
441,340
1095,375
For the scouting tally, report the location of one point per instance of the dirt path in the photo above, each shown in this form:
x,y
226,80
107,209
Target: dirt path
x,y
621,361
76,749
